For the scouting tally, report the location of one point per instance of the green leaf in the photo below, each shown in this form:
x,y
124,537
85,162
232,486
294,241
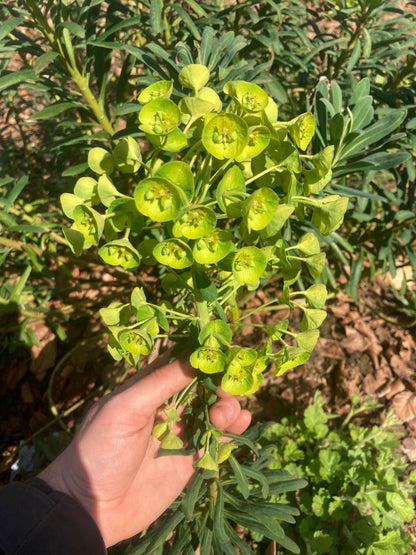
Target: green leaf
x,y
383,127
17,77
156,16
316,295
289,358
229,191
215,334
54,110
307,340
401,504
127,156
308,244
9,25
312,319
316,264
75,240
242,480
205,286
100,161
194,76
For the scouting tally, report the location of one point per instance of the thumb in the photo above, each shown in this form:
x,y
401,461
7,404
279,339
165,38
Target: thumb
x,y
151,391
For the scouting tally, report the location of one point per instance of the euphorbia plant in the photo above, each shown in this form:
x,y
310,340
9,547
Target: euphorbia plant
x,y
215,206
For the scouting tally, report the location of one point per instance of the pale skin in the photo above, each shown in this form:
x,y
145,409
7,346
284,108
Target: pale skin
x,y
110,466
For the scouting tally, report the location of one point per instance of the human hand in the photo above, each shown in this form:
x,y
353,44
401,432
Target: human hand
x,y
111,466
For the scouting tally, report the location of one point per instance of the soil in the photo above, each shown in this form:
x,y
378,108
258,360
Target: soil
x,y
366,349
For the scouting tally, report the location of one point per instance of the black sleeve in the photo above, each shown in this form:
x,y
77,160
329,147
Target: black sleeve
x,y
37,520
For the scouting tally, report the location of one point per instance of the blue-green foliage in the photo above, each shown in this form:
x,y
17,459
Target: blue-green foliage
x,y
357,500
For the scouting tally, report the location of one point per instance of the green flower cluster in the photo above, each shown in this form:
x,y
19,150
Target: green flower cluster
x,y
211,205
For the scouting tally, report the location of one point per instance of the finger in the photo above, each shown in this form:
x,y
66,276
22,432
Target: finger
x,y
224,413
149,393
241,424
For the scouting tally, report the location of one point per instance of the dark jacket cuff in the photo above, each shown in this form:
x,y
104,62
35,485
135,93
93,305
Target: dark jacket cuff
x,y
37,520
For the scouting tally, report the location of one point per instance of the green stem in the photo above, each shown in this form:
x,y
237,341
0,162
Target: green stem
x,y
265,172
70,63
201,306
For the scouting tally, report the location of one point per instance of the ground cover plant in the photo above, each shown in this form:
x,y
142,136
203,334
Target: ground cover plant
x,y
357,499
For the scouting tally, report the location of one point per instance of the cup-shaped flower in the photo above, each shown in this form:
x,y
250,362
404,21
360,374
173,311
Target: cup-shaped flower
x,y
208,359
180,174
195,222
100,160
89,222
302,129
259,208
240,357
175,141
194,76
159,117
224,136
173,253
158,199
250,96
248,265
135,341
258,140
238,384
160,89
127,156
120,253
213,247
